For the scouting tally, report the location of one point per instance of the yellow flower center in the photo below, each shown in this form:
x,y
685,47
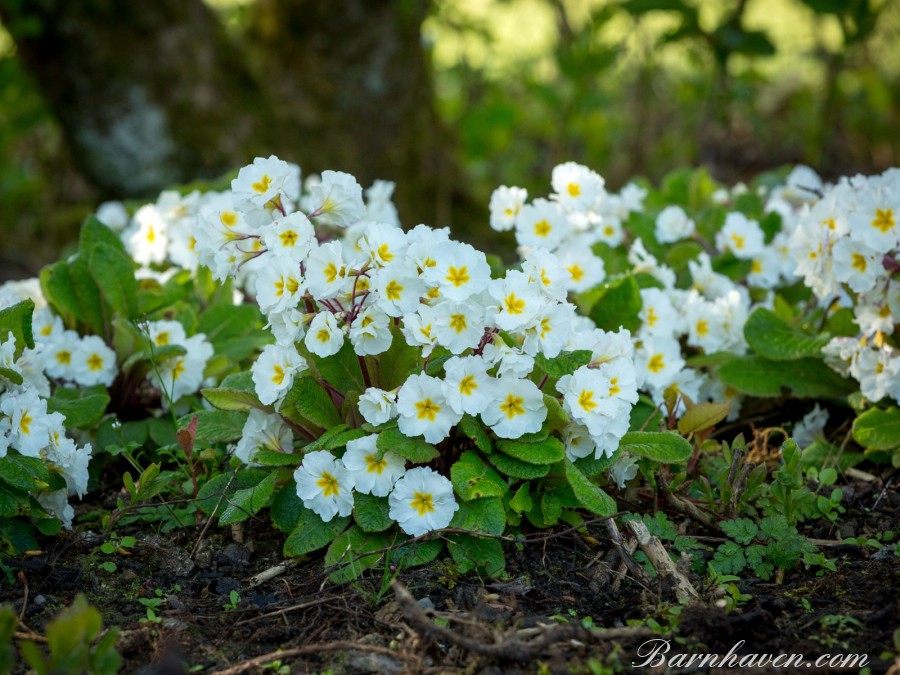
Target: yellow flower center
x,y
467,385
64,357
162,339
427,410
25,423
331,272
458,322
542,228
656,363
859,262
756,266
614,387
458,275
228,218
384,252
574,189
329,485
652,318
46,330
393,290
576,272
151,234
288,238
512,406
514,305
884,220
586,400
178,369
263,184
702,327
323,335
278,377
422,502
375,465
739,241
545,327
95,362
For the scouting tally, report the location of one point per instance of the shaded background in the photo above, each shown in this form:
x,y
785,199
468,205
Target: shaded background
x,y
103,99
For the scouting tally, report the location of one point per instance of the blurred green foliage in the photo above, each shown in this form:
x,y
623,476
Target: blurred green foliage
x,y
628,87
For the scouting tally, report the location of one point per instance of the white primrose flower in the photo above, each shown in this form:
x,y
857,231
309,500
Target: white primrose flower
x,y
418,329
467,386
147,240
576,186
291,237
325,485
586,397
379,206
274,371
263,181
383,244
57,505
610,231
510,362
624,469
506,202
740,235
585,269
877,372
811,428
874,220
336,200
58,355
460,271
517,301
180,375
263,431
29,431
659,360
372,474
326,271
113,214
324,337
547,271
643,261
578,442
765,269
370,332
378,406
458,325
5,426
93,362
657,315
398,290
424,409
517,408
549,331
541,224
288,326
164,333
422,501
279,285
673,224
46,325
855,264
707,281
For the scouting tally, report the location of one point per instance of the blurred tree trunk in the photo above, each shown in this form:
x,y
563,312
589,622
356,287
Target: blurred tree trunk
x,y
154,92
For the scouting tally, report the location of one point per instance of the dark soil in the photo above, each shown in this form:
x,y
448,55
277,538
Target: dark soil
x,y
459,624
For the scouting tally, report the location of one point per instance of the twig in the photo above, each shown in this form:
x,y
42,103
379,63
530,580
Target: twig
x,y
340,645
272,572
210,519
625,555
513,648
683,506
659,558
24,580
292,608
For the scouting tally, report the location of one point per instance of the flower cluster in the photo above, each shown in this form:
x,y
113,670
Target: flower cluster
x,y
846,247
330,269
28,428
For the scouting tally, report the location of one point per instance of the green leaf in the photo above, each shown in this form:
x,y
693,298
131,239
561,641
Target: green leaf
x,y
481,515
371,513
25,473
113,272
549,451
90,304
347,553
274,458
341,370
94,233
565,363
803,378
416,553
11,375
392,367
335,437
475,430
19,533
557,418
521,501
234,330
516,468
248,501
618,305
13,502
226,398
773,338
216,425
729,558
477,553
414,449
311,533
662,447
286,508
589,495
472,478
878,429
742,530
82,408
17,320
307,400
703,416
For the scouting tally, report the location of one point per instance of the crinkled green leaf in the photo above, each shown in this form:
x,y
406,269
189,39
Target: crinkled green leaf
x,y
549,451
590,496
773,338
660,446
472,478
414,449
878,429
